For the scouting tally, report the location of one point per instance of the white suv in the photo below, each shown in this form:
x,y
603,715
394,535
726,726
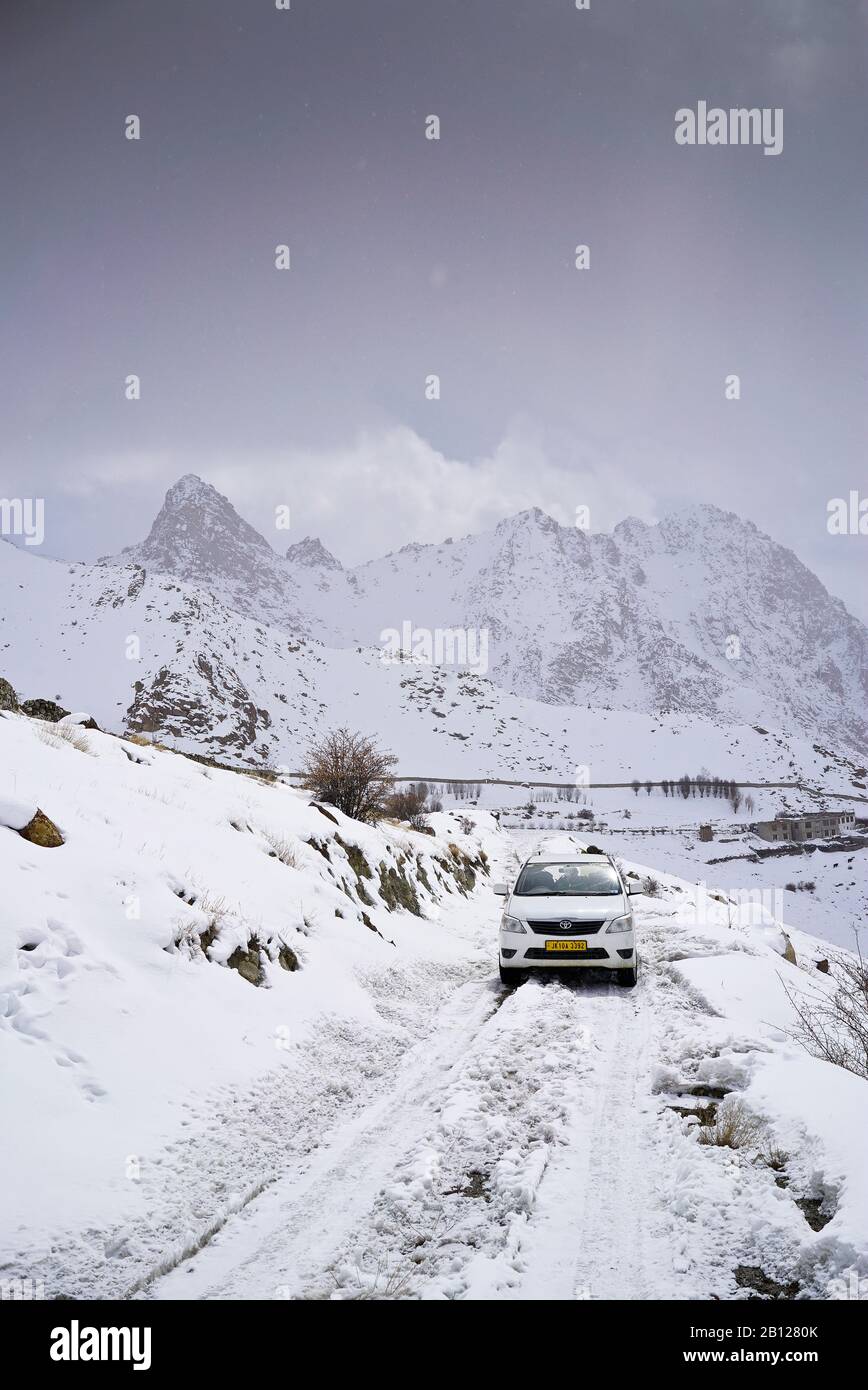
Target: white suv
x,y
567,911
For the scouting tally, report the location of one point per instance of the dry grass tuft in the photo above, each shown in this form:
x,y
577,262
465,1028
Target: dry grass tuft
x,y
57,734
281,848
733,1127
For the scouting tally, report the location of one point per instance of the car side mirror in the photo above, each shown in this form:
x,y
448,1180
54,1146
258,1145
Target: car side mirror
x,y
634,888
501,889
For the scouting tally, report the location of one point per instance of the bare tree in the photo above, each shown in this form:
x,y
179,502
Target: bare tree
x,y
835,1026
348,771
410,804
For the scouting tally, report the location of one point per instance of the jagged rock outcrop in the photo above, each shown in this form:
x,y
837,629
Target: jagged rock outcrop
x,y
49,710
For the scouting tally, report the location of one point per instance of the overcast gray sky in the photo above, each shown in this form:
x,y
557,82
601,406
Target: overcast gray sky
x,y
559,387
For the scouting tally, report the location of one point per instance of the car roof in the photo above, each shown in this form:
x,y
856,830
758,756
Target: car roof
x,y
568,859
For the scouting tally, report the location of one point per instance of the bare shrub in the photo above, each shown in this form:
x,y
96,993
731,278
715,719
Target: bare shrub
x,y
834,1026
733,1127
773,1156
384,1281
409,804
347,770
651,887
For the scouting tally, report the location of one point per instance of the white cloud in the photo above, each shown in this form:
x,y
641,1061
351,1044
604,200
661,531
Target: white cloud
x,y
393,487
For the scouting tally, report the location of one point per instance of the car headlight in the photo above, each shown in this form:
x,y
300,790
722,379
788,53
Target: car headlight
x,y
513,924
620,924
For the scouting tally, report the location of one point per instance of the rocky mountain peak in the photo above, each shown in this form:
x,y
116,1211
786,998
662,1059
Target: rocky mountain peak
x,y
195,525
531,519
199,537
312,554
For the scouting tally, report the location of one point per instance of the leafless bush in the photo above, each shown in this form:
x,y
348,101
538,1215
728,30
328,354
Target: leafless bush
x,y
347,770
733,1127
409,804
385,1281
834,1025
651,887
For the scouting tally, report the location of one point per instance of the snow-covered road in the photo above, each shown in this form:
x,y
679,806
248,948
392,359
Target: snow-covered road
x,y
525,1146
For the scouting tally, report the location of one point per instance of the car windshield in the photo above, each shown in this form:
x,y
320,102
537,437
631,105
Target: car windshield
x,y
592,880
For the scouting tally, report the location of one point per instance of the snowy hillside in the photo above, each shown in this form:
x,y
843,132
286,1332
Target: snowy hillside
x,y
259,1050
171,956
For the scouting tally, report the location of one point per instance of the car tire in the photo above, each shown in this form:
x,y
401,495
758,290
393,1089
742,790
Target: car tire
x,y
627,978
511,978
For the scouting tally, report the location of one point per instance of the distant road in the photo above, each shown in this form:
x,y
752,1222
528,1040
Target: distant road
x,y
593,786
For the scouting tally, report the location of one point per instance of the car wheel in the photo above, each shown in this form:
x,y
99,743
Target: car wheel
x,y
628,978
511,978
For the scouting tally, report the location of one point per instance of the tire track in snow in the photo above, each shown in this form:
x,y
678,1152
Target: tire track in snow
x,y
451,1221
287,1235
597,1225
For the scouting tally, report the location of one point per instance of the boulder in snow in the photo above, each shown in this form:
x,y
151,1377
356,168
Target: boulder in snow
x,y
48,710
42,831
82,720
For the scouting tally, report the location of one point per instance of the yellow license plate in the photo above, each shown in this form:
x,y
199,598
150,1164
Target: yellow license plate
x,y
566,945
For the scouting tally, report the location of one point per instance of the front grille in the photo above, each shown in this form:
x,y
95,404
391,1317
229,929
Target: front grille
x,y
553,927
540,953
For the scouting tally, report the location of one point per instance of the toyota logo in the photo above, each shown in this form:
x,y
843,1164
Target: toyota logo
x,y
565,926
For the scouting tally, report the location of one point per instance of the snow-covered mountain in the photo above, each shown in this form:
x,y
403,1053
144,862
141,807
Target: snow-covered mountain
x,y
651,650
701,613
151,654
